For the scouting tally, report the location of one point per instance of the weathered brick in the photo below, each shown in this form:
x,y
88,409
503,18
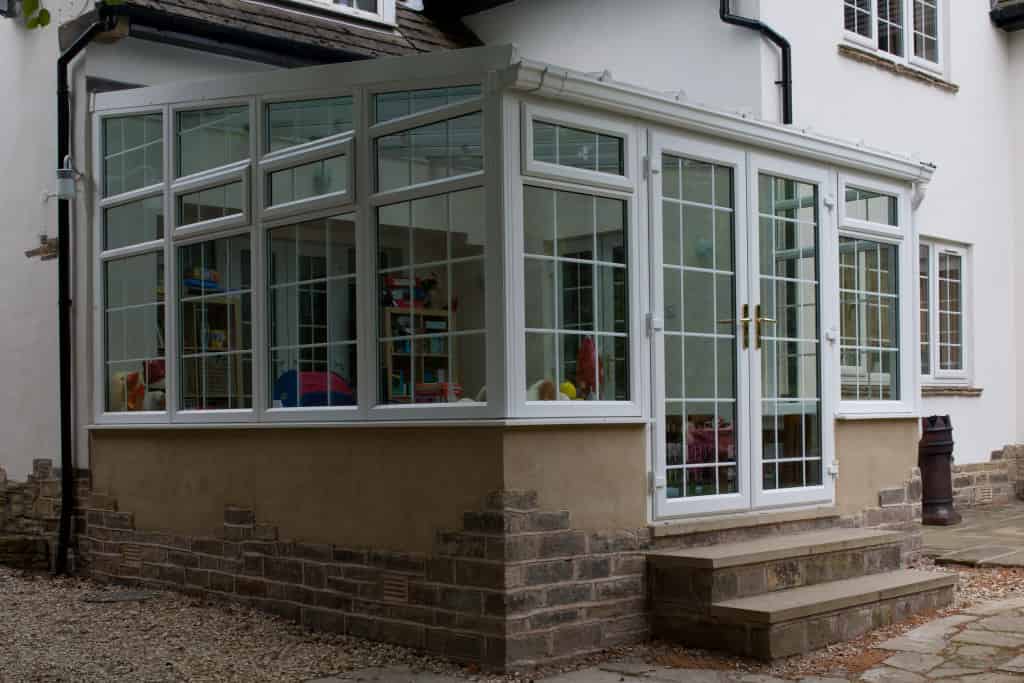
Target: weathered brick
x,y
494,522
460,600
291,593
548,572
441,569
461,544
530,648
264,532
398,562
207,546
260,547
619,588
423,594
239,515
458,646
483,574
570,543
224,583
400,633
237,532
511,500
513,548
319,619
349,556
614,542
172,574
629,564
197,577
592,567
547,521
249,586
118,520
182,559
572,593
333,600
574,639
516,602
892,496
548,619
283,569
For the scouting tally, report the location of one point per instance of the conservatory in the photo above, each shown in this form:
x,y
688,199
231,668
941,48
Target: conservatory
x,y
359,297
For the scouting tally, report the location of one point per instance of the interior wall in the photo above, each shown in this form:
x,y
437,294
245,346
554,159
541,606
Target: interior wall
x,y
872,455
385,488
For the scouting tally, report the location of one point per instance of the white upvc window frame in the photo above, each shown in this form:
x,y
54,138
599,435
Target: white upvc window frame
x,y
100,257
938,376
385,14
235,173
902,236
520,173
907,57
342,145
580,120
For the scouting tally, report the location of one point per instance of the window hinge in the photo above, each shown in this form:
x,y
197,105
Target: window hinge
x,y
654,324
833,471
650,169
655,482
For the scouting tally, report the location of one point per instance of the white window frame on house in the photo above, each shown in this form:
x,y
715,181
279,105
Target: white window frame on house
x,y
385,13
907,55
526,171
901,236
937,376
337,145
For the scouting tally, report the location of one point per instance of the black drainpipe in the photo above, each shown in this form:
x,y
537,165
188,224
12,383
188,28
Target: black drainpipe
x,y
67,459
787,58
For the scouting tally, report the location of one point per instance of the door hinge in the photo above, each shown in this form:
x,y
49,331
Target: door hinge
x,y
655,323
650,169
655,482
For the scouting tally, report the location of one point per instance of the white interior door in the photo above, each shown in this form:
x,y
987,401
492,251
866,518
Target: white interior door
x,y
736,330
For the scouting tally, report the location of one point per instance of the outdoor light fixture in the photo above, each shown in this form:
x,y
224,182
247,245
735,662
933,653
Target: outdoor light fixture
x,y
65,179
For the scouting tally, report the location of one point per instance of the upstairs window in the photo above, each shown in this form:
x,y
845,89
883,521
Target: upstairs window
x,y
904,29
382,11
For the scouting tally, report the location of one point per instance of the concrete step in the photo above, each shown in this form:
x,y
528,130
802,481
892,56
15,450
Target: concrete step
x,y
698,577
789,622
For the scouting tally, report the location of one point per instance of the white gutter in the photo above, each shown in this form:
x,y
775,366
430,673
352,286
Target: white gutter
x,y
601,93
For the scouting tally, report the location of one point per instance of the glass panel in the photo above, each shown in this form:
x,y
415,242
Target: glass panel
x,y
311,295
133,153
440,150
857,16
432,304
870,206
393,105
584,298
314,179
699,302
211,138
215,324
133,223
926,30
211,203
577,148
890,26
869,326
134,333
790,359
296,123
950,310
924,279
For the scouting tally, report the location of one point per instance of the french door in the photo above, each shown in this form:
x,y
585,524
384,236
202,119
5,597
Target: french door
x,y
737,333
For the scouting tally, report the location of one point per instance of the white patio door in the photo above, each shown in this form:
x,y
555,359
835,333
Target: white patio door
x,y
736,330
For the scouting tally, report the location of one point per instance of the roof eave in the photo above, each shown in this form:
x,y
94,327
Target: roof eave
x,y
584,89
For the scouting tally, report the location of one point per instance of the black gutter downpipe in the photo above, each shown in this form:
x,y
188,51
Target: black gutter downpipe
x,y
787,57
67,458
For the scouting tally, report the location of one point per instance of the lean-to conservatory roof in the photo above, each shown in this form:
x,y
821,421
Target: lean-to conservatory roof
x,y
502,68
302,28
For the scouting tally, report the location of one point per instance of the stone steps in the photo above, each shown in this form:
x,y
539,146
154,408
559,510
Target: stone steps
x,y
778,596
700,576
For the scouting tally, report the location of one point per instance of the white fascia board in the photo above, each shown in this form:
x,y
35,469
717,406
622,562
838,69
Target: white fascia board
x,y
545,80
449,65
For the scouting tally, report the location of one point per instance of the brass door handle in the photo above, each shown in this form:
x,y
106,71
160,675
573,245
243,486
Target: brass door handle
x,y
744,323
758,322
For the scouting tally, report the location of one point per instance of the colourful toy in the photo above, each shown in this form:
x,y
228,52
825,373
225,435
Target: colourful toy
x,y
306,389
569,389
589,368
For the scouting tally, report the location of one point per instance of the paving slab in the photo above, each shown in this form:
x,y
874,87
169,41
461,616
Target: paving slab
x,y
914,661
885,674
991,638
931,646
1015,665
1008,624
952,671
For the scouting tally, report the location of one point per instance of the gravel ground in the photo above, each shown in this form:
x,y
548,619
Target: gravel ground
x,y
49,632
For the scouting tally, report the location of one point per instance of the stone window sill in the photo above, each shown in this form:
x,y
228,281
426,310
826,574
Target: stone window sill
x,y
868,57
962,390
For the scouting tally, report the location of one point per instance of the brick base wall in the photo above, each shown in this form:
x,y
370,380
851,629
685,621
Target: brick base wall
x,y
514,587
30,513
986,483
